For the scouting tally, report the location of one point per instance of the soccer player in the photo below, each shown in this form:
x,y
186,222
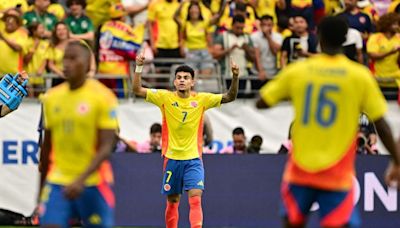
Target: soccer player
x,y
80,124
328,92
182,136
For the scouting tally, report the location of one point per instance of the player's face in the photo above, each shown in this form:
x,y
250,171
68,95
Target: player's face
x,y
183,81
76,63
239,142
155,139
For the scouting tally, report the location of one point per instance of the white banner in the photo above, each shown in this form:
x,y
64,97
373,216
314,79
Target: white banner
x,y
19,176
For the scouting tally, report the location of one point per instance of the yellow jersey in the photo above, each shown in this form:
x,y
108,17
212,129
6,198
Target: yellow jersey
x,y
56,55
195,35
182,121
7,4
163,12
388,66
58,10
74,118
328,94
11,60
38,59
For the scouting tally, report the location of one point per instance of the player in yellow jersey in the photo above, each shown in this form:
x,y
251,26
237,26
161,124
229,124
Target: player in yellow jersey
x,y
80,125
328,93
182,137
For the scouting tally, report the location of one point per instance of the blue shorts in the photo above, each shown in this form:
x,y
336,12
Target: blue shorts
x,y
336,208
180,175
95,206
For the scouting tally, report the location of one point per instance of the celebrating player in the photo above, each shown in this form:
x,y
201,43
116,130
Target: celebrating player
x,y
182,141
80,124
328,93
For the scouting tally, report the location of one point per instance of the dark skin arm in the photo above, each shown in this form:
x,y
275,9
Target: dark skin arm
x,y
44,161
233,89
106,138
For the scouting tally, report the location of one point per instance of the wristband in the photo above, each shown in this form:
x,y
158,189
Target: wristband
x,y
139,69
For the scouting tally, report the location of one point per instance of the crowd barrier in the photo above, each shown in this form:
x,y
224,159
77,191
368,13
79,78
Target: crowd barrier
x,y
241,191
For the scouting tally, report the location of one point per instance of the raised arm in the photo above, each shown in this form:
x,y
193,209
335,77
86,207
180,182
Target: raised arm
x,y
137,80
44,161
233,89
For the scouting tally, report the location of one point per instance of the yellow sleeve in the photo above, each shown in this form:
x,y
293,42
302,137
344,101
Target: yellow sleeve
x,y
372,46
108,112
151,13
212,100
156,96
277,89
374,103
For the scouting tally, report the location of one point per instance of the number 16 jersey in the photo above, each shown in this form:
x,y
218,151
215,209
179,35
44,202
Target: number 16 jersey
x,y
182,121
328,94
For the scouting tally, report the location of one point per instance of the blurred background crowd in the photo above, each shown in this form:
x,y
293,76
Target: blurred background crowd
x,y
262,36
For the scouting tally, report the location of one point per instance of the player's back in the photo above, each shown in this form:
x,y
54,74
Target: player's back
x,y
74,118
328,94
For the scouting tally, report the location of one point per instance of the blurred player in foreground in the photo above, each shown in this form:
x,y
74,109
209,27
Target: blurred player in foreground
x,y
328,93
80,124
182,136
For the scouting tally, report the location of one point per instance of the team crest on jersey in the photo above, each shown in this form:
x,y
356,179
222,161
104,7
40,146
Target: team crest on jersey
x,y
193,104
167,187
83,108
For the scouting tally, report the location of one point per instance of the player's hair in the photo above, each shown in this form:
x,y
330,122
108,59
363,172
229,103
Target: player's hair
x,y
83,45
79,2
155,128
185,68
332,31
238,18
238,131
267,17
190,6
386,21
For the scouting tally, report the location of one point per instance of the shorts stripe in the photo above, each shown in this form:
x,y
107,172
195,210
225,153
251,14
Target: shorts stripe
x,y
293,211
107,193
341,214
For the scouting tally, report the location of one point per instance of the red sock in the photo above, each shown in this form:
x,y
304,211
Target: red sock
x,y
172,215
196,212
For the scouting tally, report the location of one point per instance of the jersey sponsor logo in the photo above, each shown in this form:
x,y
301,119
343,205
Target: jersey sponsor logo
x,y
167,187
84,24
175,104
83,108
193,104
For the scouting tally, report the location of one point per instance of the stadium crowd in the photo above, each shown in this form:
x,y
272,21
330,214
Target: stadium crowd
x,y
263,36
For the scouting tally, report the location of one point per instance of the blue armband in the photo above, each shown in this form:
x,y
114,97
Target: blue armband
x,y
11,92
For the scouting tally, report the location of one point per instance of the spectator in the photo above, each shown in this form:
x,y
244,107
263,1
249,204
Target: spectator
x,y
8,4
238,7
357,19
79,24
153,145
13,42
367,137
166,43
383,49
136,10
57,9
114,56
237,45
59,40
267,43
299,45
353,45
238,145
99,11
35,59
267,7
195,37
304,8
255,145
40,15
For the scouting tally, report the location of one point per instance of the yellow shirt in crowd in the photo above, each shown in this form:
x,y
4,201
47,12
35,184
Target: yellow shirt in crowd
x,y
12,61
196,35
163,12
38,60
